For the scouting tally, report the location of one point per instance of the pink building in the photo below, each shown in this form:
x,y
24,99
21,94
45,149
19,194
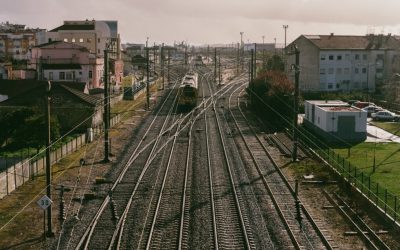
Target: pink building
x,y
62,61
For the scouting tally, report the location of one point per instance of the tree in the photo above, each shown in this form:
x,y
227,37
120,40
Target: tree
x,y
271,93
275,63
27,128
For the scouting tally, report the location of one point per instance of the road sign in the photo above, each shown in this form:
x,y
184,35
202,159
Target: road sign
x,y
44,202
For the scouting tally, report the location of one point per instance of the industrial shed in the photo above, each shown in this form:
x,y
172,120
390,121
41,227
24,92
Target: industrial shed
x,y
336,121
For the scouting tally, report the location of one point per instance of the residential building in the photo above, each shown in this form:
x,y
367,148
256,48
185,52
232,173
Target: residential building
x,y
344,63
16,40
335,121
62,61
96,36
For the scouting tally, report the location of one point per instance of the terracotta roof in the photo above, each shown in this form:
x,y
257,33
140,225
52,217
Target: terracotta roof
x,y
354,42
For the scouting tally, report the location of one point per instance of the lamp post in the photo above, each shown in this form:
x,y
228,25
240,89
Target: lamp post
x,y
48,162
285,27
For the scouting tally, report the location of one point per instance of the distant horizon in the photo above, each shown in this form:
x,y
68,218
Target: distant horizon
x,y
209,22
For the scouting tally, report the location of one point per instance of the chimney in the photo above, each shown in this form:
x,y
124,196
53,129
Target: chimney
x,y
332,34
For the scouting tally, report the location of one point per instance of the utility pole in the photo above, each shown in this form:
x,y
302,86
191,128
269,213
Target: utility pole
x,y
106,106
162,65
154,59
208,53
148,80
275,44
255,61
215,65
251,66
48,162
219,69
186,61
169,55
238,56
295,101
263,52
241,49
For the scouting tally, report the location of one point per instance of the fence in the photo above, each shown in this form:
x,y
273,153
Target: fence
x,y
378,195
22,171
27,169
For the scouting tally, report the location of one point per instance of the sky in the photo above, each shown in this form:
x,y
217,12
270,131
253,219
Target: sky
x,y
201,22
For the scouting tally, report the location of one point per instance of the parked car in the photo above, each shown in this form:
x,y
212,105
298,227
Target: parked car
x,y
372,109
385,115
363,104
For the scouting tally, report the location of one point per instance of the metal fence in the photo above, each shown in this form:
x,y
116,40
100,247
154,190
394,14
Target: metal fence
x,y
377,194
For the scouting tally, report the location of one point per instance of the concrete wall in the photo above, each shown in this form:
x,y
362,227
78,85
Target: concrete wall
x,y
21,172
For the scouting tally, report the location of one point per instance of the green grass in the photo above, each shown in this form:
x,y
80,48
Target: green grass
x,y
387,161
392,127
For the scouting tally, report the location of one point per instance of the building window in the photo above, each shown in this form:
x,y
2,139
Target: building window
x,y
80,73
346,71
379,57
98,40
330,57
98,51
364,70
330,85
69,76
61,76
330,71
339,71
73,40
50,75
365,57
89,40
322,71
356,56
81,40
90,74
338,85
339,57
323,57
66,40
356,70
347,56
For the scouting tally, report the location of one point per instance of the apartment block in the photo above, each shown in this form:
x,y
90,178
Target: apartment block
x,y
344,63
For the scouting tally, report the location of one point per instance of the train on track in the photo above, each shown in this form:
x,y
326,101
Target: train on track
x,y
188,91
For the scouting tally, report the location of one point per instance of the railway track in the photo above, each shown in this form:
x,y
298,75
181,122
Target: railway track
x,y
303,233
228,217
100,233
367,235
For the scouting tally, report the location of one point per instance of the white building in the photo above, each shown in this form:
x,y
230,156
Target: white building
x,y
345,63
336,121
92,34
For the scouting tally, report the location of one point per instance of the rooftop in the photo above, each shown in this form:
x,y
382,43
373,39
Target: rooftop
x,y
333,41
334,105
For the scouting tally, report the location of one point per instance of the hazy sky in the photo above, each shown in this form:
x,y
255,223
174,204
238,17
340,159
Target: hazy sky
x,y
213,21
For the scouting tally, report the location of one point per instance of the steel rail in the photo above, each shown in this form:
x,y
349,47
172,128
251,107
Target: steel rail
x,y
235,193
279,171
